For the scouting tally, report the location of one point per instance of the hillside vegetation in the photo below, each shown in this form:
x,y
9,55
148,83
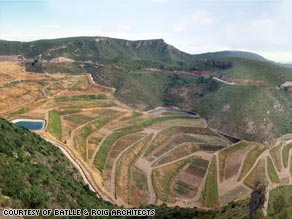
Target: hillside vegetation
x,y
252,108
35,174
238,54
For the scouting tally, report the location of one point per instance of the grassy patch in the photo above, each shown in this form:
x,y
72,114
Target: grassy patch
x,y
206,147
280,203
19,111
285,154
4,200
290,168
276,156
80,97
182,151
223,154
284,181
257,175
250,159
135,114
210,193
234,194
105,148
69,111
165,134
149,122
129,179
81,135
272,172
138,187
163,177
54,125
87,104
183,186
251,69
78,119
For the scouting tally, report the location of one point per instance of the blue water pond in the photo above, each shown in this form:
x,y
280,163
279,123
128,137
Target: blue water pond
x,y
31,125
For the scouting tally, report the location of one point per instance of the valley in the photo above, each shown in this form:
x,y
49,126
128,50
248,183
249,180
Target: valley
x,y
134,157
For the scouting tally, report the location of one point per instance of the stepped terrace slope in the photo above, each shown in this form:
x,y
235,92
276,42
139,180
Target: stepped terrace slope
x,y
237,92
134,158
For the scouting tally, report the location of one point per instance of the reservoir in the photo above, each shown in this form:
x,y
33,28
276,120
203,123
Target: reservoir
x,y
170,110
31,124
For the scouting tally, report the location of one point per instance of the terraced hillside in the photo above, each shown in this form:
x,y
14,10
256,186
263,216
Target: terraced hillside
x,y
134,158
35,174
239,93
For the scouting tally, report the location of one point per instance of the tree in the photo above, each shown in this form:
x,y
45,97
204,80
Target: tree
x,y
34,197
283,215
279,204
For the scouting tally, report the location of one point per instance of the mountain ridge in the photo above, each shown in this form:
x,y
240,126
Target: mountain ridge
x,y
232,53
213,55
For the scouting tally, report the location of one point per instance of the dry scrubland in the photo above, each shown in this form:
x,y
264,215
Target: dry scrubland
x,y
136,158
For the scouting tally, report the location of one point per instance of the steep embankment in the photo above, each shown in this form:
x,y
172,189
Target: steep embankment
x,y
35,174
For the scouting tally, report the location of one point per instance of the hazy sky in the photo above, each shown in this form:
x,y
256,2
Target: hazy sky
x,y
194,26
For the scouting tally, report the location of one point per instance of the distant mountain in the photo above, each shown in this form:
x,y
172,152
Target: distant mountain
x,y
288,65
235,54
238,54
102,50
105,50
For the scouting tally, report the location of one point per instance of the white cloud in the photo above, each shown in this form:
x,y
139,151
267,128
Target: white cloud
x,y
198,18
